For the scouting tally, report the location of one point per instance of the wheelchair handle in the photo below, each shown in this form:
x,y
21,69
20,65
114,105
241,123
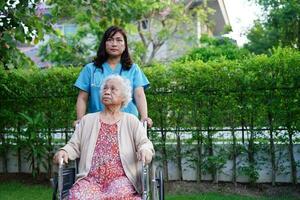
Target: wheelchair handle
x,y
60,178
61,162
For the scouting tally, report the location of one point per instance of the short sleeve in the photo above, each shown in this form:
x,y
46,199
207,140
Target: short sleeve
x,y
140,79
84,79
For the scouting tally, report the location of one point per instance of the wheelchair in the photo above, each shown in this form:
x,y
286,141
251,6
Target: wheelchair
x,y
151,181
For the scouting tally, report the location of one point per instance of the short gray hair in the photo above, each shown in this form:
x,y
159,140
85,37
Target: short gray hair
x,y
126,88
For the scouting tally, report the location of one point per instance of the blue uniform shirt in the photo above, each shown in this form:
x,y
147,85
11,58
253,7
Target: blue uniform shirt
x,y
90,80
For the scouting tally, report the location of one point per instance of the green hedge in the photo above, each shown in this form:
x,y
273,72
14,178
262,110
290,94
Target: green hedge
x,y
32,91
251,94
51,91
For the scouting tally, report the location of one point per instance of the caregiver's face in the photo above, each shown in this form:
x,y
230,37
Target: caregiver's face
x,y
115,45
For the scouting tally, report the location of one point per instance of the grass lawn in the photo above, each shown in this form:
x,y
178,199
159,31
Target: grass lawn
x,y
19,191
219,196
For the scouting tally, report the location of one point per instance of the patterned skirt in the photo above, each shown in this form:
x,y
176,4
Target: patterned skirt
x,y
106,179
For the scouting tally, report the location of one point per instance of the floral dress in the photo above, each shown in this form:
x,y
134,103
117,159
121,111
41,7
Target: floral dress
x,y
106,179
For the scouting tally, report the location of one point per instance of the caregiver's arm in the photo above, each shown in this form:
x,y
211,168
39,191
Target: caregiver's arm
x,y
81,105
141,103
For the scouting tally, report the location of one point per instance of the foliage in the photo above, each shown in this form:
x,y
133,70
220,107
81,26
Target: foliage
x,y
185,98
215,49
67,51
251,172
261,40
48,91
150,24
279,28
91,19
35,141
20,22
170,24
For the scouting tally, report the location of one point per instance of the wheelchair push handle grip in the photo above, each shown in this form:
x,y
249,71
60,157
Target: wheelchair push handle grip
x,y
145,124
61,162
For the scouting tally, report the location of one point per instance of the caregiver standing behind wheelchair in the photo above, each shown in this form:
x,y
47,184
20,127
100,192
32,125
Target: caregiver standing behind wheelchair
x,y
109,144
112,58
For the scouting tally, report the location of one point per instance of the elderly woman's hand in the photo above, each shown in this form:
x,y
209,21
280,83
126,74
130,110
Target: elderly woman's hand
x,y
145,156
61,154
76,123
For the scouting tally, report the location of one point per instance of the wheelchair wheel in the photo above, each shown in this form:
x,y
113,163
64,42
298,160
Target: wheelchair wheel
x,y
157,184
161,186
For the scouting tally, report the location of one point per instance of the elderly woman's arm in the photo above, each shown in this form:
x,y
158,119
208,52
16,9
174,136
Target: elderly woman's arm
x,y
72,149
73,145
144,146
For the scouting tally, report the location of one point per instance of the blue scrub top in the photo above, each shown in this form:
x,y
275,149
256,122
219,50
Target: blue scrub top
x,y
91,77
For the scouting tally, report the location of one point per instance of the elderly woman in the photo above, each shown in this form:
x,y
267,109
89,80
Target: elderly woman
x,y
109,143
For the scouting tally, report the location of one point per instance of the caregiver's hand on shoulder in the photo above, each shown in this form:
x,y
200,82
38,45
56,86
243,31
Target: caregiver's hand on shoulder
x,y
145,156
61,154
148,120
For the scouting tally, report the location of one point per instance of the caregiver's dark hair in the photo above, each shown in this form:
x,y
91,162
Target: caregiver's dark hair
x,y
102,55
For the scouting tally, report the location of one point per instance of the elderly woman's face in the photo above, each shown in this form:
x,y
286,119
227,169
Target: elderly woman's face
x,y
112,94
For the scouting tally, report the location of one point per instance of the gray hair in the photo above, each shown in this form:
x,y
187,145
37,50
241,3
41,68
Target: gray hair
x,y
126,88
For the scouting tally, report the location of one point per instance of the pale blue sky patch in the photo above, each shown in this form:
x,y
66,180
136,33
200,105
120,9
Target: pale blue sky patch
x,y
242,14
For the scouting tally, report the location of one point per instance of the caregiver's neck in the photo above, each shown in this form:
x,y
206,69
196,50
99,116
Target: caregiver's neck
x,y
113,61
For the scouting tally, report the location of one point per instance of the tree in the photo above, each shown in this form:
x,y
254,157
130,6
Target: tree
x,y
214,49
150,24
261,39
20,22
91,19
281,27
170,20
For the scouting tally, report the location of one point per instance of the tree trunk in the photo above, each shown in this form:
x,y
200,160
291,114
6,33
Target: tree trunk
x,y
33,164
153,52
243,129
242,117
50,153
211,153
251,151
234,157
19,156
164,155
4,153
199,157
272,149
164,149
155,49
210,142
144,55
298,39
178,154
292,158
66,136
